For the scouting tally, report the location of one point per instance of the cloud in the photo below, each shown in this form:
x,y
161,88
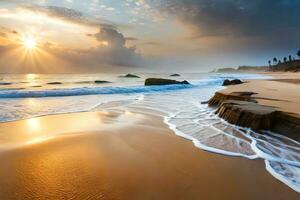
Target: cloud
x,y
113,55
7,31
111,50
236,17
70,15
237,25
131,39
114,38
152,43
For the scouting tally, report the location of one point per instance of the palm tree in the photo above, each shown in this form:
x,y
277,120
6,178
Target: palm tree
x,y
298,53
275,60
290,58
270,63
285,59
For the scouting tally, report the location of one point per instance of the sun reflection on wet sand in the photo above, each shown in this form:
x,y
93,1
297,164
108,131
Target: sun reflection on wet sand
x,y
33,124
40,129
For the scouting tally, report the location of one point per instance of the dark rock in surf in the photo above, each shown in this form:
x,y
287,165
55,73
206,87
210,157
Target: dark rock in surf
x,y
5,83
54,83
161,81
174,75
232,82
101,82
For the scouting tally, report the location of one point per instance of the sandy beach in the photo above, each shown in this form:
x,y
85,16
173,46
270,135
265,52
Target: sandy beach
x,y
149,100
121,155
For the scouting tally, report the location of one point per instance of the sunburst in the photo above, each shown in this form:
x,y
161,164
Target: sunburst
x,y
29,43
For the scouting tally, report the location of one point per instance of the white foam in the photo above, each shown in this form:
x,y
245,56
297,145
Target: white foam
x,y
196,122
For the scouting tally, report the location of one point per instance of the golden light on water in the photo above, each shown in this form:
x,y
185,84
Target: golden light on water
x,y
31,76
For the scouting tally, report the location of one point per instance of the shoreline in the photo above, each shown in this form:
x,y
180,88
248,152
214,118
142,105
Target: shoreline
x,y
81,159
155,163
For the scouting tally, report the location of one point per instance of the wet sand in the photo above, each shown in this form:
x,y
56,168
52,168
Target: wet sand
x,y
121,155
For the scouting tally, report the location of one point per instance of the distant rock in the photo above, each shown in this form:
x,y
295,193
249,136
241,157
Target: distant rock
x,y
232,82
101,81
5,83
130,76
83,82
161,81
54,83
225,70
174,75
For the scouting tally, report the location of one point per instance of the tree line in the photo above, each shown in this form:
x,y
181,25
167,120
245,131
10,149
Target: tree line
x,y
285,59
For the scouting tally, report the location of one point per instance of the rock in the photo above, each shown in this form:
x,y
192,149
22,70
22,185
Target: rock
x,y
219,97
54,83
226,82
232,82
241,109
130,76
236,82
100,81
247,114
5,83
161,81
174,75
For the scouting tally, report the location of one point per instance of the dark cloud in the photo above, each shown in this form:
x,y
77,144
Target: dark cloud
x,y
114,38
113,52
237,17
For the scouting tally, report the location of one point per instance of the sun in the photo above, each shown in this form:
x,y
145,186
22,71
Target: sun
x,y
29,43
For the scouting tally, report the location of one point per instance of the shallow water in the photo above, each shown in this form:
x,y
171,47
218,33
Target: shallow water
x,y
29,96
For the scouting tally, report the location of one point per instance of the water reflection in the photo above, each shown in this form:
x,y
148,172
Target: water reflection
x,y
31,76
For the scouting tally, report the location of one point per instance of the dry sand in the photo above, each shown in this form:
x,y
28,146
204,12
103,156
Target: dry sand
x,y
121,155
281,92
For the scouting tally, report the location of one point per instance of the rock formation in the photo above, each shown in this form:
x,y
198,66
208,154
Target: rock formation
x,y
100,81
54,83
241,109
130,76
161,81
232,82
174,75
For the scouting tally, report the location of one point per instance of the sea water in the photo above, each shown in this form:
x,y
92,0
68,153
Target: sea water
x,y
31,95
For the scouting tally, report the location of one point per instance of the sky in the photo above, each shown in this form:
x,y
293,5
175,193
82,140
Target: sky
x,y
75,36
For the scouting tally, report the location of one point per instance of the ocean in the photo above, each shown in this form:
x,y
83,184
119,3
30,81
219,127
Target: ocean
x,y
25,96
